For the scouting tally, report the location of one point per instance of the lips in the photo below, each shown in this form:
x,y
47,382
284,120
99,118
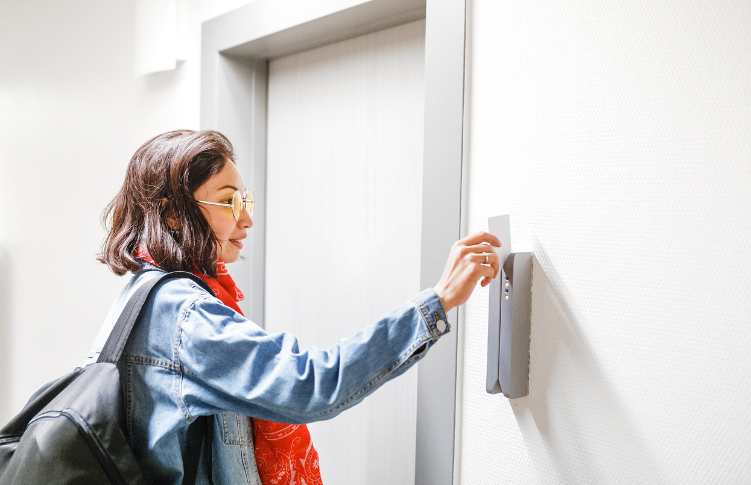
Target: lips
x,y
237,242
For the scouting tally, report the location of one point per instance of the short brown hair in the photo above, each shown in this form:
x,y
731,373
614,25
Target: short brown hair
x,y
170,166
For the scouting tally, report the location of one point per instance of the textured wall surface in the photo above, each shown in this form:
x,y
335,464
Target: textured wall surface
x,y
618,137
344,184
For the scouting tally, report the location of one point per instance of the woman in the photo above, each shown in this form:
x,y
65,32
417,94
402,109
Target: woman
x,y
183,206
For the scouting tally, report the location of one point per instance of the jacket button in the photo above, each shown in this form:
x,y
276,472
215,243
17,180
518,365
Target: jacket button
x,y
441,326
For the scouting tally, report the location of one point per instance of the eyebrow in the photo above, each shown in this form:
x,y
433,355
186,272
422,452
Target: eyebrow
x,y
228,187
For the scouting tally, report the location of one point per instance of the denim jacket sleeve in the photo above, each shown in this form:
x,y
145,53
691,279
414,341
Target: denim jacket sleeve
x,y
227,363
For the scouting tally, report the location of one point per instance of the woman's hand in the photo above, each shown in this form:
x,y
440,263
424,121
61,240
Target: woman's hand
x,y
465,267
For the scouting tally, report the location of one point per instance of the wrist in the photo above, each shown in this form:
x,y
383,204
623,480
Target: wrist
x,y
444,300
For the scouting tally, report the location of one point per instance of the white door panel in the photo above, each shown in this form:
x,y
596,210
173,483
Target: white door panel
x,y
344,194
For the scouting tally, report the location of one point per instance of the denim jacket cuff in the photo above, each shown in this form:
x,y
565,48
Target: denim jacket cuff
x,y
432,312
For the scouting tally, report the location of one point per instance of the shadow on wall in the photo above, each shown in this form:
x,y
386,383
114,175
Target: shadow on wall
x,y
161,81
5,337
572,422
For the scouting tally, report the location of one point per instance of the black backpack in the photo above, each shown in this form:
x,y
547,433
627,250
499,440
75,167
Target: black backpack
x,y
72,430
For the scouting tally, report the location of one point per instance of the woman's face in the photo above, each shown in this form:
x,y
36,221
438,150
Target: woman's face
x,y
228,231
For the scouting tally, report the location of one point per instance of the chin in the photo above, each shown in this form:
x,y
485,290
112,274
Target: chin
x,y
230,258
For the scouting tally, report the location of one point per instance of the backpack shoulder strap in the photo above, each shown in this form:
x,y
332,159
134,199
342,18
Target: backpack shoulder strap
x,y
200,432
115,344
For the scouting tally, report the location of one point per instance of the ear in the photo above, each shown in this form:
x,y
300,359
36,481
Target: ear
x,y
170,214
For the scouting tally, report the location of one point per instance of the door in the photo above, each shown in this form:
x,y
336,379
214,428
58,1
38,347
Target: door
x,y
343,223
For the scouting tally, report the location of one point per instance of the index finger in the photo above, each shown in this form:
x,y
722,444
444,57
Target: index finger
x,y
481,237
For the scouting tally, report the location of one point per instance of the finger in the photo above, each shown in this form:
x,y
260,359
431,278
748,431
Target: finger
x,y
488,275
480,237
480,248
488,257
495,263
480,258
484,271
492,260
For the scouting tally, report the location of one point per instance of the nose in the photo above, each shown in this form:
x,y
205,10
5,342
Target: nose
x,y
245,221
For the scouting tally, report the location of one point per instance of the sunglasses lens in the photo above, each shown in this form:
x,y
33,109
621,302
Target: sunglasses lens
x,y
237,204
249,201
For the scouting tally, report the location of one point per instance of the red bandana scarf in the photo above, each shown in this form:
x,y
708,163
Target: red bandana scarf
x,y
284,452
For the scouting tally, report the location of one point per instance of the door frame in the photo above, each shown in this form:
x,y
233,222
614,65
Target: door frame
x,y
235,51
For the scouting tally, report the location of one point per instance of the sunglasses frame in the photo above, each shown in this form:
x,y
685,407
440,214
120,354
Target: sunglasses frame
x,y
232,206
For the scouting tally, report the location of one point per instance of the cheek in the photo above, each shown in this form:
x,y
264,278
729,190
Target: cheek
x,y
225,231
221,226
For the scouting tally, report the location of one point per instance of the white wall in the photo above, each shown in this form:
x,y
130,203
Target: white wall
x,y
615,133
344,185
71,115
618,137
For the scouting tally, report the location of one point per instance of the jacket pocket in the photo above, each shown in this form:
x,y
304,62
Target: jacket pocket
x,y
236,429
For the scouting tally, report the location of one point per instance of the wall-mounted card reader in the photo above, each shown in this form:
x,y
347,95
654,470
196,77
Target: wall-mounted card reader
x,y
509,318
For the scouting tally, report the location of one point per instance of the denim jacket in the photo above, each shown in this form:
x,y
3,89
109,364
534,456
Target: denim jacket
x,y
190,355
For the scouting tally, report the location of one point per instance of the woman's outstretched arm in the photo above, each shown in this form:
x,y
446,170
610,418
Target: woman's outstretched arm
x,y
229,363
